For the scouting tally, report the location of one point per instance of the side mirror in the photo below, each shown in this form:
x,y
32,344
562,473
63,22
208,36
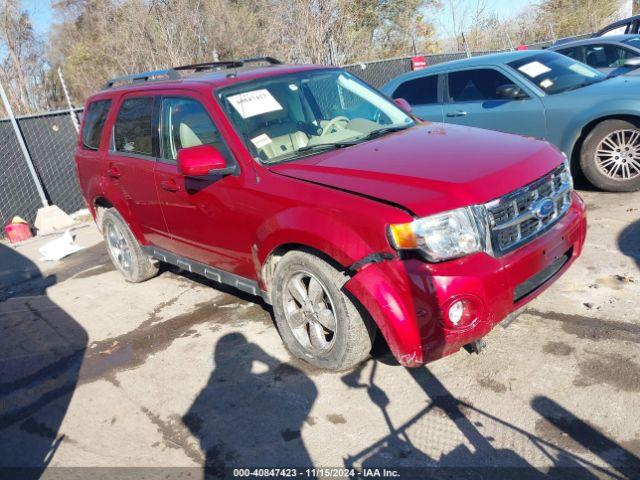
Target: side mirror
x,y
510,91
202,160
633,62
403,104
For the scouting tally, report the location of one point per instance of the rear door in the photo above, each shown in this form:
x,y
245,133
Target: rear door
x,y
424,96
201,212
92,144
130,165
471,99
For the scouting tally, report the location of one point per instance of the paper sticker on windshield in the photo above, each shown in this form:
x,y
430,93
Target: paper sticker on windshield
x,y
261,140
256,102
582,70
534,69
546,83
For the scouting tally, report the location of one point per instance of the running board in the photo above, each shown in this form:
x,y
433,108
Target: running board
x,y
215,274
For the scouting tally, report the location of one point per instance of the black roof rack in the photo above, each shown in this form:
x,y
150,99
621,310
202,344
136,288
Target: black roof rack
x,y
173,73
143,77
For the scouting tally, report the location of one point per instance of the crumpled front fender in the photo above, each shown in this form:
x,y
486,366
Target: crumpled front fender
x,y
382,289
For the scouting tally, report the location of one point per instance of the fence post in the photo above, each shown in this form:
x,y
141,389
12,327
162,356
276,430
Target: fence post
x,y
466,46
23,147
72,113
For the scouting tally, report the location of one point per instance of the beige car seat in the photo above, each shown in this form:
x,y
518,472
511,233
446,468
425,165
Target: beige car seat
x,y
285,138
205,134
277,125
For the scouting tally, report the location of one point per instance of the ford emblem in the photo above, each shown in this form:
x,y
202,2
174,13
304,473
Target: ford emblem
x,y
542,208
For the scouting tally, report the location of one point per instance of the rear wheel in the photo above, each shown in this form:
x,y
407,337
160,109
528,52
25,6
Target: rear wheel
x,y
124,250
317,321
610,156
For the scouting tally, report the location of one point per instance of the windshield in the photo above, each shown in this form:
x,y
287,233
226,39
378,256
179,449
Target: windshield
x,y
555,73
285,117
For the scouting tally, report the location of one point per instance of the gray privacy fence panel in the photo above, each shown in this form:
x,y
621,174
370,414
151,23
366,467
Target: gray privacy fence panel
x,y
51,140
380,72
18,193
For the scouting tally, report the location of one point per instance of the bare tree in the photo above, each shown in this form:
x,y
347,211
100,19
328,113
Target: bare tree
x,y
23,71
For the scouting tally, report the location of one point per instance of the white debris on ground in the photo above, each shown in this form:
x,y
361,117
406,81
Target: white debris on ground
x,y
59,248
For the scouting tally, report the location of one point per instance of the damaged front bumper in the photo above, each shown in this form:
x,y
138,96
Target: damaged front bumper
x,y
408,298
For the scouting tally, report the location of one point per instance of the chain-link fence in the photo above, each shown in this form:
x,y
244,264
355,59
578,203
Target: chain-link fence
x,y
50,139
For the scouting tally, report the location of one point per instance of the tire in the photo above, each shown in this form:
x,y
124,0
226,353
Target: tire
x,y
351,340
598,159
124,250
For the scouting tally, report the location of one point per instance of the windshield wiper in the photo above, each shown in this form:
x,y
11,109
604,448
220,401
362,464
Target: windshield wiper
x,y
325,146
586,83
383,131
318,147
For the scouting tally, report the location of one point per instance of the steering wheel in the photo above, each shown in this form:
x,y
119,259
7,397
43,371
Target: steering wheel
x,y
333,123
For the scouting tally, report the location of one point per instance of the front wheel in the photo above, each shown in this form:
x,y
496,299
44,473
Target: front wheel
x,y
610,156
317,321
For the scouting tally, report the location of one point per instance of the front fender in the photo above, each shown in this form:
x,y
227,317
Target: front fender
x,y
319,230
383,291
600,111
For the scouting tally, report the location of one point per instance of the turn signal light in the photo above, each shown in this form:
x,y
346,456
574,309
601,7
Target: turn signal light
x,y
403,236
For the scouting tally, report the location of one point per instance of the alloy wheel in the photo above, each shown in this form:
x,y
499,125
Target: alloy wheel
x,y
119,247
618,155
310,312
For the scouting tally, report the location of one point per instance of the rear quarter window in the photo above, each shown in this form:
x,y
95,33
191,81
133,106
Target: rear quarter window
x,y
132,131
419,91
95,117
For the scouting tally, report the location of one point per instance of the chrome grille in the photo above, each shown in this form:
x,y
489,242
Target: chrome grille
x,y
512,219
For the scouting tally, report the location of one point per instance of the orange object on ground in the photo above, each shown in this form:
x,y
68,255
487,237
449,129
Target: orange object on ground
x,y
17,232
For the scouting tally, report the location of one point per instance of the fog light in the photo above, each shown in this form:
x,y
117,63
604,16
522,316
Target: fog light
x,y
455,312
462,312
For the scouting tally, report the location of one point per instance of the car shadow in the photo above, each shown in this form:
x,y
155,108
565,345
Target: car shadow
x,y
41,351
476,456
251,411
629,241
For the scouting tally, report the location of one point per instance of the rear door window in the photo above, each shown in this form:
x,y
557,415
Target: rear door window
x,y
476,85
606,55
95,116
419,91
133,131
186,123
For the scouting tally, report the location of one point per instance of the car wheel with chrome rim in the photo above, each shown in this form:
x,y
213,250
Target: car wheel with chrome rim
x,y
318,322
610,156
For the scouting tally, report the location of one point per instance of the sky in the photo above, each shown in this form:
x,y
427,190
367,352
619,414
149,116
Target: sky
x,y
41,14
503,8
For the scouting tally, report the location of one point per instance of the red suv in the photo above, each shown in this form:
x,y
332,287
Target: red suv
x,y
306,186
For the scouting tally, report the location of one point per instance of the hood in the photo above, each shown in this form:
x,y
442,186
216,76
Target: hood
x,y
616,87
431,167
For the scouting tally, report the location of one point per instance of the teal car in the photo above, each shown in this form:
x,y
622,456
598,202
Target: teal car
x,y
593,119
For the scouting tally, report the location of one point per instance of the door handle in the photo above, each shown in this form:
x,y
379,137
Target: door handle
x,y
113,172
457,113
169,185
